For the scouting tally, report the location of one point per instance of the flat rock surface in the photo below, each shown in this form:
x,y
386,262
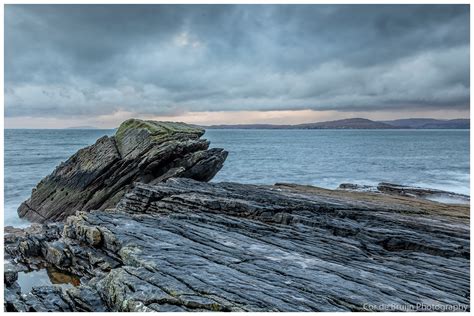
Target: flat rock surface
x,y
96,177
410,191
186,245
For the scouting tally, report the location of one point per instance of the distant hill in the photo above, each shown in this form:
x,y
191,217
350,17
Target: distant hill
x,y
353,123
423,123
359,123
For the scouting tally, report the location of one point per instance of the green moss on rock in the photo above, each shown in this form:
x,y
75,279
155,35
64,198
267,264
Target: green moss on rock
x,y
158,129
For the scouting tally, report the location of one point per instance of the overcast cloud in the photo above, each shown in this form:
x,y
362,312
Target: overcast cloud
x,y
166,60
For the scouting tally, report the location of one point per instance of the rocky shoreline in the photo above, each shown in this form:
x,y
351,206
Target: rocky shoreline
x,y
166,240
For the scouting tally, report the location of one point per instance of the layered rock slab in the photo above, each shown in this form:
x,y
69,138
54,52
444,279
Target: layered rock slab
x,y
185,245
96,177
411,191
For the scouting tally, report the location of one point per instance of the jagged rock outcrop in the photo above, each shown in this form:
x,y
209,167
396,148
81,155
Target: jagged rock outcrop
x,y
96,177
411,191
397,189
185,245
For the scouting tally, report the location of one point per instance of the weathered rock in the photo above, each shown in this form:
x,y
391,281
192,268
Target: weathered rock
x,y
10,273
429,194
85,299
12,298
54,299
96,177
358,187
30,243
404,190
185,245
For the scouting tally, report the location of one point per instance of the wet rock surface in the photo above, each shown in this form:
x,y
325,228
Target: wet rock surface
x,y
96,177
185,245
410,191
429,194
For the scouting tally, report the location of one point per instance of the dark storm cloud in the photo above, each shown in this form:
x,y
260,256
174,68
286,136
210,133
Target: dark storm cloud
x,y
73,60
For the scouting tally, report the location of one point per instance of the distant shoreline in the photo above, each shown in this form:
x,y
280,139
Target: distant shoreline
x,y
332,129
358,123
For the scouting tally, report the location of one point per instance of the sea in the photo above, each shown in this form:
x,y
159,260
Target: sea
x,y
326,158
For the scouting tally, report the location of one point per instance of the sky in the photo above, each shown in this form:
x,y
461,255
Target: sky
x,y
97,65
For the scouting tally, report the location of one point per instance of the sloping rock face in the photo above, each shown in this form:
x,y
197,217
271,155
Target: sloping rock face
x,y
96,177
185,245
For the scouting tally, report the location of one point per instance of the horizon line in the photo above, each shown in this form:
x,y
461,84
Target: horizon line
x,y
242,124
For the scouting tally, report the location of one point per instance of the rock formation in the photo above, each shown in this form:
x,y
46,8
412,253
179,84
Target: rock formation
x,y
96,177
404,190
184,245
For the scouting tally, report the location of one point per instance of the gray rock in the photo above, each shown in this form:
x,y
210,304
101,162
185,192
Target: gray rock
x,y
429,194
10,273
40,299
85,299
96,177
358,187
185,245
12,298
410,191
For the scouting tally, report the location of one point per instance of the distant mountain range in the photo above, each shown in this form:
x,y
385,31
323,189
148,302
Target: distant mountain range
x,y
430,123
360,123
